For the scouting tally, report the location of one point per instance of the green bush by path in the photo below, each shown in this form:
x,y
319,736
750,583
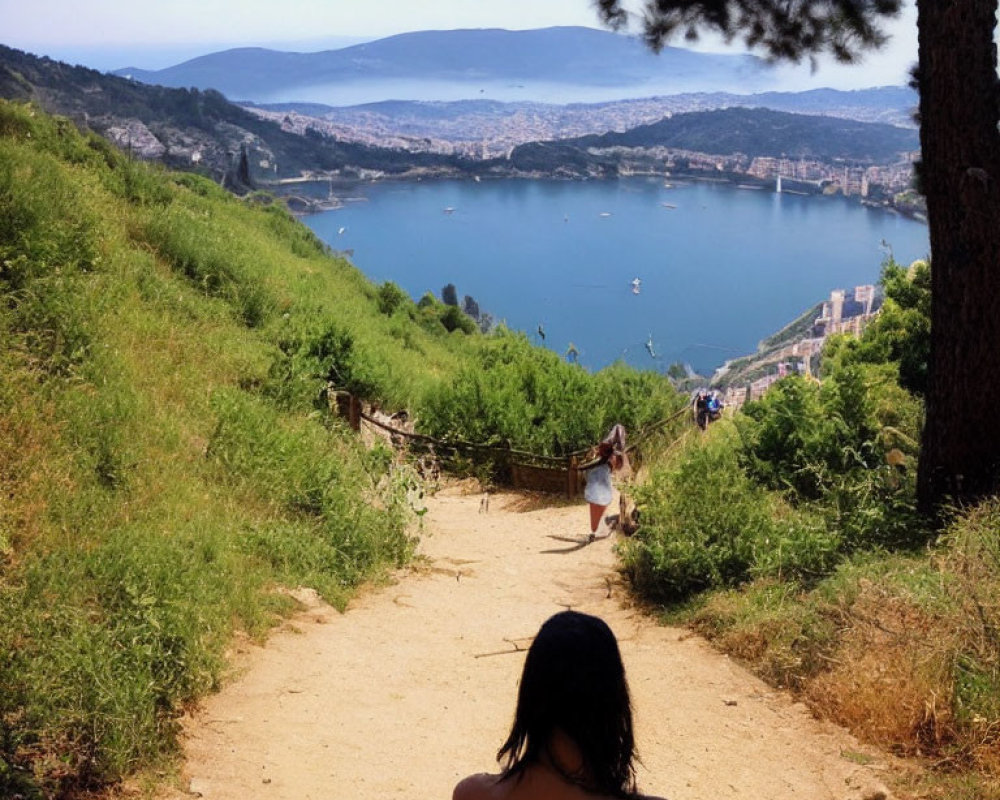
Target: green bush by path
x,y
705,525
512,393
802,478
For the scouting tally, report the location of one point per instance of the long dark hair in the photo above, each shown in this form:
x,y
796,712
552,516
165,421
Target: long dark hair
x,y
574,682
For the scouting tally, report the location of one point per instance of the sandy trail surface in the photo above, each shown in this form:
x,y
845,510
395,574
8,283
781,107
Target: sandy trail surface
x,y
414,686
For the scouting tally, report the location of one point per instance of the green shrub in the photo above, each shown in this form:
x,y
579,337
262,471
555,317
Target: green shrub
x,y
787,439
315,353
705,524
900,334
358,520
454,319
828,447
390,298
514,393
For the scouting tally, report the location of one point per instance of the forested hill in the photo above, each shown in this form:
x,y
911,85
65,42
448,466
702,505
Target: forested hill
x,y
763,132
187,128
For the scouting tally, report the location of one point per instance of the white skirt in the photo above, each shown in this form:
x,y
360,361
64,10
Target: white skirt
x,y
598,489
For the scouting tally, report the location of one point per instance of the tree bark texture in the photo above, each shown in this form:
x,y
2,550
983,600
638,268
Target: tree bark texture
x,y
960,453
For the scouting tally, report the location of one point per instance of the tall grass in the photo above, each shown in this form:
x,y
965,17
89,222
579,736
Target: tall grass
x,y
903,650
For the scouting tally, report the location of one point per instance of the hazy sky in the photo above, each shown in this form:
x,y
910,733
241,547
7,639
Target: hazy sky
x,y
107,34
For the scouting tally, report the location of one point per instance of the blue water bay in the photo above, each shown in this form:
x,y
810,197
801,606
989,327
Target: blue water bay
x,y
720,267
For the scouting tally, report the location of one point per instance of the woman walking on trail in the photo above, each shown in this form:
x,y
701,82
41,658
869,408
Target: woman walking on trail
x,y
599,492
572,733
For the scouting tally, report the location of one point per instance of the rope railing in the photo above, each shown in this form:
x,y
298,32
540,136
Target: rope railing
x,y
458,444
520,462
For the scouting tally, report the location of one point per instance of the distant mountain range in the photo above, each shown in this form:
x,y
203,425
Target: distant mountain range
x,y
202,131
559,55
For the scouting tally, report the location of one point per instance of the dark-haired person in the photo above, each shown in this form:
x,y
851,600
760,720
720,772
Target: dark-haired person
x,y
572,733
599,491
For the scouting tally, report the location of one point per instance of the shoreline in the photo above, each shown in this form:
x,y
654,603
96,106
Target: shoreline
x,y
736,180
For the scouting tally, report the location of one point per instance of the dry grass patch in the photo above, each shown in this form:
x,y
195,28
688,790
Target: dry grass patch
x,y
890,677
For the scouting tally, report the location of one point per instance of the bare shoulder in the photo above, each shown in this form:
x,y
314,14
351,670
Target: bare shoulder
x,y
481,786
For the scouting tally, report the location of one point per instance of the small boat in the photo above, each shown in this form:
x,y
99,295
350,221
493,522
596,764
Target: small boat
x,y
341,230
668,205
604,214
449,210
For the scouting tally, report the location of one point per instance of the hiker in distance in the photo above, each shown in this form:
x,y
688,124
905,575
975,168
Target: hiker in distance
x,y
572,734
598,494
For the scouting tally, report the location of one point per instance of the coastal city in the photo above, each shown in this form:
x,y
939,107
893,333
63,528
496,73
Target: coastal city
x,y
845,312
486,131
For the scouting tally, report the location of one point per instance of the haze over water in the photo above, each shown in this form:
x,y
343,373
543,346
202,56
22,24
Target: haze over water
x,y
719,271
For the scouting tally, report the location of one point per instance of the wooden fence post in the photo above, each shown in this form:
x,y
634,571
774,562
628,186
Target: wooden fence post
x,y
350,407
354,420
572,478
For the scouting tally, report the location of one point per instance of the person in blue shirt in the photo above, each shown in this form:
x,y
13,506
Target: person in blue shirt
x,y
707,408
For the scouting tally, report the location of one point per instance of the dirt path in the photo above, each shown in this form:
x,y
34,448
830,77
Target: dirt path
x,y
413,687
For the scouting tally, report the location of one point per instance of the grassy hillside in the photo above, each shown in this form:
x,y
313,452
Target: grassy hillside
x,y
159,481
167,457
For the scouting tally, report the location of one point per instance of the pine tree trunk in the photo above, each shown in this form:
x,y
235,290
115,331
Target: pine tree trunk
x,y
959,106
